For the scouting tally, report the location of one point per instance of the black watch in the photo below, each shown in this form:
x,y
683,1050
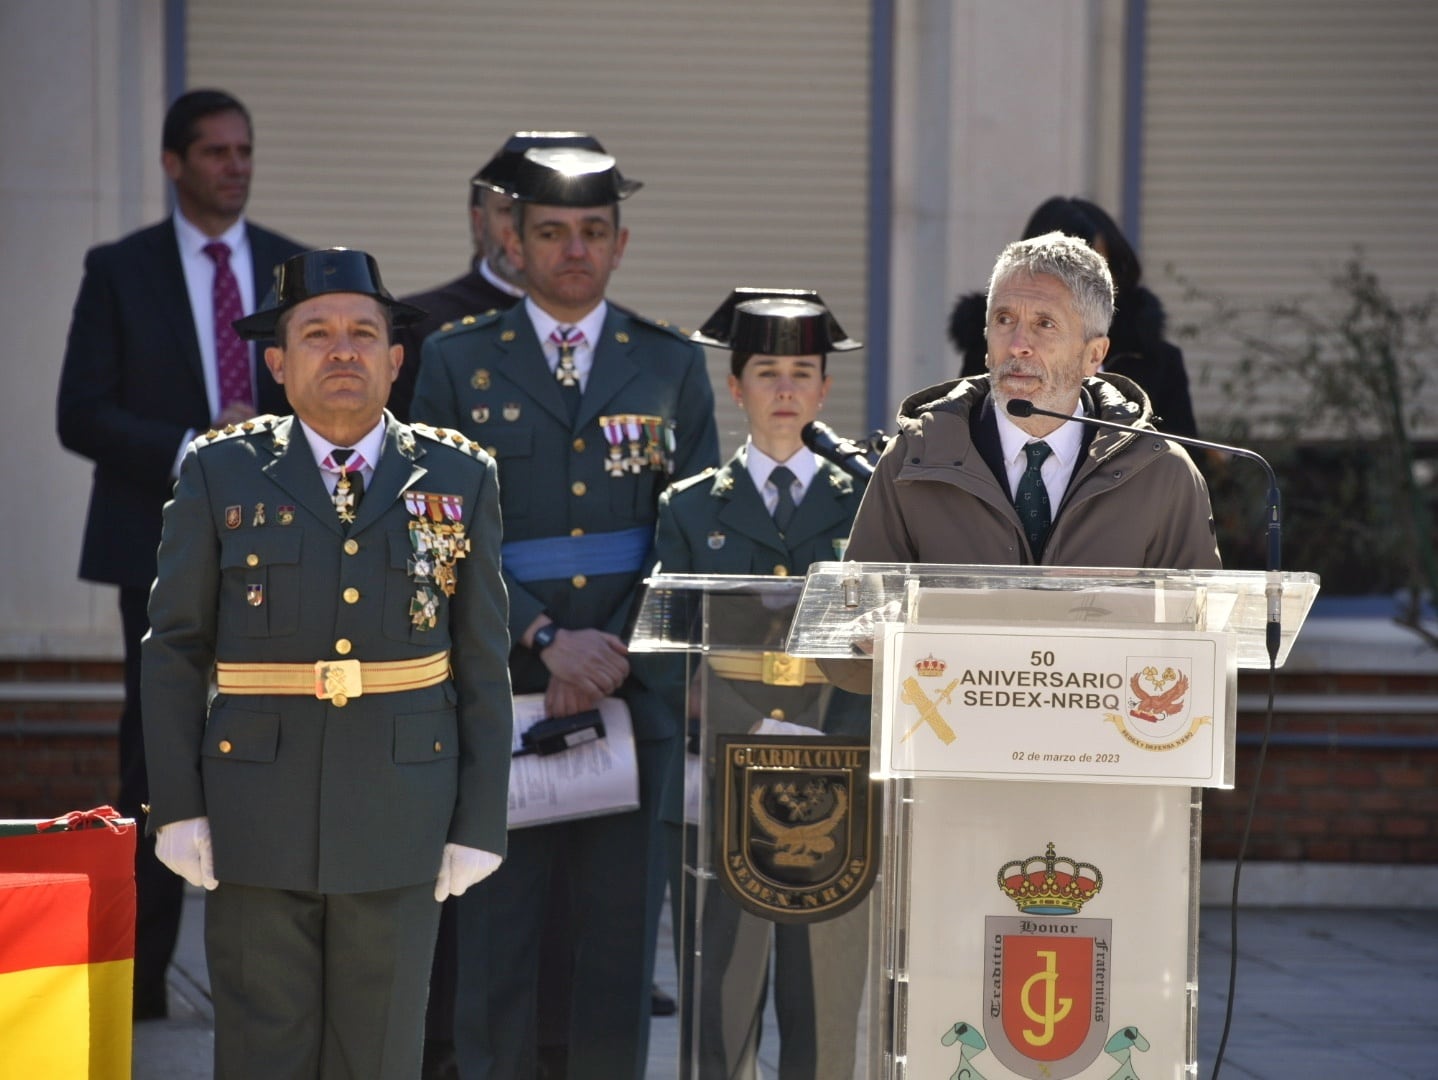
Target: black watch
x,y
544,637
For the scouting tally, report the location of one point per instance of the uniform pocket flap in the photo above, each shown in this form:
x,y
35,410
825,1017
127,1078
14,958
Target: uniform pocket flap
x,y
241,735
260,547
427,736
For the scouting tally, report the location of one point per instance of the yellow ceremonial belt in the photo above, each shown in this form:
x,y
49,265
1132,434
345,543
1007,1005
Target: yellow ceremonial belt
x,y
333,680
769,668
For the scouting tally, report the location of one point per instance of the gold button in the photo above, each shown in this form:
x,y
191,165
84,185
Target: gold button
x,y
492,451
578,487
252,559
579,445
781,570
576,532
351,547
226,746
776,714
351,595
438,746
343,646
579,581
339,701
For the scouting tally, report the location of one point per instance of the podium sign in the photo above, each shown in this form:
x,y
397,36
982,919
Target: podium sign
x,y
1097,706
1044,735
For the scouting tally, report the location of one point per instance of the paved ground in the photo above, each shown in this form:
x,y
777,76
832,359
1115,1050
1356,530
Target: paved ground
x,y
1323,994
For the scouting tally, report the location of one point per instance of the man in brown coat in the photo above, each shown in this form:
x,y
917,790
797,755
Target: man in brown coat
x,y
965,482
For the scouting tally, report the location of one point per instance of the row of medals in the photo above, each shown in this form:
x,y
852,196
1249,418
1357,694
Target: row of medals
x,y
437,536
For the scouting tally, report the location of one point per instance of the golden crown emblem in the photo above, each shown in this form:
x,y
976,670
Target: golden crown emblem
x,y
931,667
1050,884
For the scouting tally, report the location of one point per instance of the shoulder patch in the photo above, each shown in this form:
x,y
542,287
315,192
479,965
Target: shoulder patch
x,y
257,425
469,322
452,439
662,325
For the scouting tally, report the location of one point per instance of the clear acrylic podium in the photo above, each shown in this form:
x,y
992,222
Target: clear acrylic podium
x,y
1043,736
715,644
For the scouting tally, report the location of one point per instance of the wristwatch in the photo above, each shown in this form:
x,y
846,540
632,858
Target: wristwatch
x,y
544,638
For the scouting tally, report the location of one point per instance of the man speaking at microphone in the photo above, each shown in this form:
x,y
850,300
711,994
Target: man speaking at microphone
x,y
966,482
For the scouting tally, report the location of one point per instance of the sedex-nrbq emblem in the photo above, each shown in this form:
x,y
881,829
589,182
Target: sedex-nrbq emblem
x,y
797,823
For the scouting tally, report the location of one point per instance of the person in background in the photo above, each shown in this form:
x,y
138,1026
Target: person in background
x,y
773,508
592,411
1137,346
151,360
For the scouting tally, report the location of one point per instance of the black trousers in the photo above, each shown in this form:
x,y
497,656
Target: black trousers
x,y
159,892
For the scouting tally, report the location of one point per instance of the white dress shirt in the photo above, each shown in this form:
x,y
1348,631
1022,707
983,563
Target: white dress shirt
x,y
592,325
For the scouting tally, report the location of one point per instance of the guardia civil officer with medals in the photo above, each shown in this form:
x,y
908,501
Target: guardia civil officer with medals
x,y
590,412
336,573
771,509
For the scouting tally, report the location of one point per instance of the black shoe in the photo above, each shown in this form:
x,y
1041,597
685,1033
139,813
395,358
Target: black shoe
x,y
439,1061
660,1003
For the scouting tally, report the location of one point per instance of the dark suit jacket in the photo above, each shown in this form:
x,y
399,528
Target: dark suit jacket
x,y
301,793
132,385
489,380
471,294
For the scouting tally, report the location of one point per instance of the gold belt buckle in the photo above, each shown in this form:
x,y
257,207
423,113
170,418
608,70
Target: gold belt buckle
x,y
781,669
338,680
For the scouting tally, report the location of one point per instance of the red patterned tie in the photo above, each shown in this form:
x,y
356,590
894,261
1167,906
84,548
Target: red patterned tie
x,y
232,356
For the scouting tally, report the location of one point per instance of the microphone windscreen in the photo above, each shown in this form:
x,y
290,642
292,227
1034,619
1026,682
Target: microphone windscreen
x,y
1020,407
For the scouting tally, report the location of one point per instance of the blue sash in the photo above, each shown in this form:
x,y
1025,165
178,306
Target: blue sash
x,y
551,558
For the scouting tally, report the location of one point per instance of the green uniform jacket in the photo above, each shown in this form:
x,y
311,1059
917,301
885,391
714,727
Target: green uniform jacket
x,y
302,794
488,378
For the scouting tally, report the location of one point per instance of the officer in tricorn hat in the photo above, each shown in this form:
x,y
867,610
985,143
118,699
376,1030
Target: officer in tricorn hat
x,y
591,411
492,282
337,573
771,509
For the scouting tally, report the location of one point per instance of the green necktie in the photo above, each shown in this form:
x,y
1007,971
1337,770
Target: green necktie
x,y
783,480
1032,498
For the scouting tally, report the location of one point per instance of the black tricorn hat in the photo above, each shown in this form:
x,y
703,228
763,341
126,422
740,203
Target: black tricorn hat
x,y
568,176
775,322
498,172
314,273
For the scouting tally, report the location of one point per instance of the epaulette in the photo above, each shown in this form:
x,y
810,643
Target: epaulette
x,y
659,324
452,439
679,487
469,322
256,425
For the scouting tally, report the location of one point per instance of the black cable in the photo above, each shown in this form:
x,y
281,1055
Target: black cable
x,y
1238,868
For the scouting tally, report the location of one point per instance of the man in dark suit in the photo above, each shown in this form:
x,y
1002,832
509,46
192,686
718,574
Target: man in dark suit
x,y
147,365
590,411
337,573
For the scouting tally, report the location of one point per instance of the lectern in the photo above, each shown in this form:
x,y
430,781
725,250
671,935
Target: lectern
x,y
1042,737
781,833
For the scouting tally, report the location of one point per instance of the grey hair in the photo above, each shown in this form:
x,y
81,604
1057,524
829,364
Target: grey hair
x,y
1082,270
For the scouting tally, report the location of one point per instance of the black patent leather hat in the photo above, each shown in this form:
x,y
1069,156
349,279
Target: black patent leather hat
x,y
314,273
498,173
775,322
568,176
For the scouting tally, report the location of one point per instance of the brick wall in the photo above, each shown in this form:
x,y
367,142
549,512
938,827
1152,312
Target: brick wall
x,y
58,749
1359,796
1353,777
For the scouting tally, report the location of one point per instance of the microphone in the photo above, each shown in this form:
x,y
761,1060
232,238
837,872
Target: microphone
x,y
827,443
1273,587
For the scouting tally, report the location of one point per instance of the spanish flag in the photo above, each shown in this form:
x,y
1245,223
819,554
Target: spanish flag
x,y
67,946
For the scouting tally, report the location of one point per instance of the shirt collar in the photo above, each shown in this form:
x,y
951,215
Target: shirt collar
x,y
802,464
369,446
544,323
487,272
192,241
1065,441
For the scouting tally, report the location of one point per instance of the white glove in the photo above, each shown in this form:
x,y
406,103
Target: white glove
x,y
460,867
184,846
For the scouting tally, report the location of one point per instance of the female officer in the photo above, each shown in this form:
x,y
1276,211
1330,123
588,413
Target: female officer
x,y
771,509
